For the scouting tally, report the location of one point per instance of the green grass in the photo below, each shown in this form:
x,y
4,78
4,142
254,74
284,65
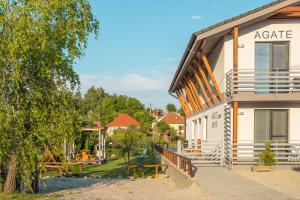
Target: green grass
x,y
22,196
112,168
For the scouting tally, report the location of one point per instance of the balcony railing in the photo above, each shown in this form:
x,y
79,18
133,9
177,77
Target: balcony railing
x,y
246,152
262,81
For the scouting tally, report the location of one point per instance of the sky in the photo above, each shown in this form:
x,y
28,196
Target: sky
x,y
141,43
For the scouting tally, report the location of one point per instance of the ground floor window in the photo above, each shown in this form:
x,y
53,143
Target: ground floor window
x,y
270,125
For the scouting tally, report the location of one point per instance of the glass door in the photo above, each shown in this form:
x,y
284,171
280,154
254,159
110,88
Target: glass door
x,y
271,61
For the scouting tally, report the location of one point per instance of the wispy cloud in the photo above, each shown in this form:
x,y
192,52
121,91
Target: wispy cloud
x,y
196,17
124,83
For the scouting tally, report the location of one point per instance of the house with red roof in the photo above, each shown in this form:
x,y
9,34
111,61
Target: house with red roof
x,y
176,121
122,121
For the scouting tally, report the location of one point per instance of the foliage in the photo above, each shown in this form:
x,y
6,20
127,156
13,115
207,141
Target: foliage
x,y
163,127
181,112
145,119
99,105
171,107
130,139
40,41
266,157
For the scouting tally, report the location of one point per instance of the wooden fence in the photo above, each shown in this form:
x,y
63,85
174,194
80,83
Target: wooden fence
x,y
182,162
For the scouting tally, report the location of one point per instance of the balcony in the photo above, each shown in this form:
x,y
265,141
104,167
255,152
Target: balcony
x,y
263,85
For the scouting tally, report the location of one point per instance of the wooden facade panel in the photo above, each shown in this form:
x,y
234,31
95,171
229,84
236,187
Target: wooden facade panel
x,y
212,77
203,75
185,101
201,85
194,91
190,96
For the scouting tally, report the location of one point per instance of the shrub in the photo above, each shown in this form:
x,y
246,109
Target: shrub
x,y
266,157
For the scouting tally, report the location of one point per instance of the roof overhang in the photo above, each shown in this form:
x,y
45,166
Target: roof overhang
x,y
206,38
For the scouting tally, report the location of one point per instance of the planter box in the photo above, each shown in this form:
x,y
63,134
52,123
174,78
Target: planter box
x,y
261,168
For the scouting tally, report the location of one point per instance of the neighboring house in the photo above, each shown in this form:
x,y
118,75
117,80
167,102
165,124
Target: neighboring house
x,y
238,83
176,121
122,121
156,113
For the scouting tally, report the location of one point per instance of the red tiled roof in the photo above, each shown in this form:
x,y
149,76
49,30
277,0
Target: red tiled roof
x,y
123,120
174,118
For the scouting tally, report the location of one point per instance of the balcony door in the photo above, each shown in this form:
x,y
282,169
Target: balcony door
x,y
271,61
270,125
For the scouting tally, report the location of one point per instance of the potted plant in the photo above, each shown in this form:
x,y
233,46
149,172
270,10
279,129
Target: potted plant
x,y
266,159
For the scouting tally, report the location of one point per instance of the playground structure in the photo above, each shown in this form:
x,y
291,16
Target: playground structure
x,y
85,155
57,164
99,148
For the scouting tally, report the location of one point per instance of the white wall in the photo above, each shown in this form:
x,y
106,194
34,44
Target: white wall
x,y
294,125
215,125
247,39
246,123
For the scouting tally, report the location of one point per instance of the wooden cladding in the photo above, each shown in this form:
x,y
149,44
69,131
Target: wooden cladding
x,y
194,91
203,75
194,102
212,77
183,102
201,85
287,12
190,96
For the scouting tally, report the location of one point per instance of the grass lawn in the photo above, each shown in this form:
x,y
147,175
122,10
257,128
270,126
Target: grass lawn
x,y
21,196
111,169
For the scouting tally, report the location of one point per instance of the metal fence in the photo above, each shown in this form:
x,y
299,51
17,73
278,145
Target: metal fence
x,y
262,81
205,153
285,153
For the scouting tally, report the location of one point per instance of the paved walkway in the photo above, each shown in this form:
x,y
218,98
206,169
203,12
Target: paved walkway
x,y
223,184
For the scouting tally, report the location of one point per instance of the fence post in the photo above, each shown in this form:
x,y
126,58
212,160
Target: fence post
x,y
190,167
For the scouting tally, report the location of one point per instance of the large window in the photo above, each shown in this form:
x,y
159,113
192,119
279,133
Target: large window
x,y
270,57
270,125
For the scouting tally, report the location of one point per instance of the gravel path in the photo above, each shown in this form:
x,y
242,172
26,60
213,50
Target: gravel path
x,y
225,184
283,179
140,189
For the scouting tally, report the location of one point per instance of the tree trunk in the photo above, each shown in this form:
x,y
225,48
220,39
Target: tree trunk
x,y
128,156
10,181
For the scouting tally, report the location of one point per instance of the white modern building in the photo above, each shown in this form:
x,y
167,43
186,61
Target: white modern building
x,y
239,85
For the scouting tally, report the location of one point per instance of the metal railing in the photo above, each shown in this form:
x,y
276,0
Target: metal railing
x,y
262,81
285,153
205,153
182,162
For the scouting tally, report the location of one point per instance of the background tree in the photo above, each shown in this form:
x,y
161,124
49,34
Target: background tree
x,y
99,104
181,112
165,129
40,41
171,107
129,139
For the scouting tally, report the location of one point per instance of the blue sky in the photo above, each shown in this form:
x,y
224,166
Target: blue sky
x,y
141,43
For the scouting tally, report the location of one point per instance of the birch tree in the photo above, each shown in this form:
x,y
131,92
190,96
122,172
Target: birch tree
x,y
40,41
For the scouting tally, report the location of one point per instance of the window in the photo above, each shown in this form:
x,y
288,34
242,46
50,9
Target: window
x,y
270,57
270,125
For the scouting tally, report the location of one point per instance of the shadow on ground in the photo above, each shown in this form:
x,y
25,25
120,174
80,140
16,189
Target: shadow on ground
x,y
296,169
